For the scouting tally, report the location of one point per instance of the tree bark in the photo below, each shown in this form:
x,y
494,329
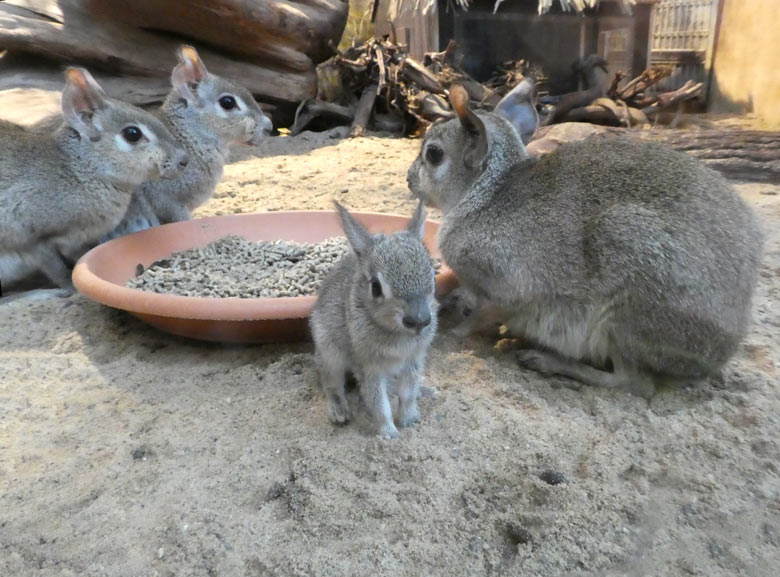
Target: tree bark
x,y
255,28
270,46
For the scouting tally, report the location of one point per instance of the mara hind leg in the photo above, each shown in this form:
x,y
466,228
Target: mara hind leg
x,y
679,347
678,313
621,375
568,333
688,352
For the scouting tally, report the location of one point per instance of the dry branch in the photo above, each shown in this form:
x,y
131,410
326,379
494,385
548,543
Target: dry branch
x,y
445,57
407,94
648,78
418,74
604,102
688,91
363,111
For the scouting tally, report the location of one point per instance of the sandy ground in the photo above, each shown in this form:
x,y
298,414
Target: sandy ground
x,y
126,452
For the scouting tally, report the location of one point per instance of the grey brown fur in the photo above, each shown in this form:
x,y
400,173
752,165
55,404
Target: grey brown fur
x,y
63,189
605,252
193,114
382,339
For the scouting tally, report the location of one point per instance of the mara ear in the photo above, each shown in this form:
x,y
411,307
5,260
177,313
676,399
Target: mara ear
x,y
518,108
477,149
417,224
82,97
359,238
187,74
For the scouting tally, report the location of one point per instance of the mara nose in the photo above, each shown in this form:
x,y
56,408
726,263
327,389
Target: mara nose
x,y
267,125
412,174
184,159
417,323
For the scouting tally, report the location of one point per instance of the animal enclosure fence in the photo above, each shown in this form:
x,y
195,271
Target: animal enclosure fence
x,y
683,36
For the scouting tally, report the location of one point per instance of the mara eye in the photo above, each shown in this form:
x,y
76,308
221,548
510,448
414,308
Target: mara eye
x,y
376,288
434,155
132,134
227,102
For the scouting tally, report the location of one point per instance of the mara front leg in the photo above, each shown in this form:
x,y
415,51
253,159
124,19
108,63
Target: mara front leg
x,y
333,368
408,391
173,212
52,264
140,216
374,390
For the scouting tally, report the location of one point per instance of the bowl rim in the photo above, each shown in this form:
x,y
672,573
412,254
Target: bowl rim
x,y
137,301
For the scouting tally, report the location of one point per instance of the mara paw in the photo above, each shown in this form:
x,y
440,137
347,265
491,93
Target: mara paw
x,y
426,392
535,360
338,411
409,417
138,224
464,329
389,432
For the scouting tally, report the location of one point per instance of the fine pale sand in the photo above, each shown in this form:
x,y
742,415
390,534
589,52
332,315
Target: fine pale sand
x,y
126,452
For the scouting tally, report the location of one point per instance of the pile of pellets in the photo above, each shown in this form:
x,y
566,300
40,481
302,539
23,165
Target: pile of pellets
x,y
235,267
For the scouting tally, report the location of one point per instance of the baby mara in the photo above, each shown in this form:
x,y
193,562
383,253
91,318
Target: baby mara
x,y
207,114
375,318
620,273
62,189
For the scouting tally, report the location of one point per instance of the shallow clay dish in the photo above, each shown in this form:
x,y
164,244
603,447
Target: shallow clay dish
x,y
102,273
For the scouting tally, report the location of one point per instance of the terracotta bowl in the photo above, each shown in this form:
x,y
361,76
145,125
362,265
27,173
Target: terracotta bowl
x,y
101,275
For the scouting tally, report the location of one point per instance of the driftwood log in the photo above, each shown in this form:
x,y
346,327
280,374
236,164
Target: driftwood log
x,y
748,155
740,154
271,46
609,112
312,109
